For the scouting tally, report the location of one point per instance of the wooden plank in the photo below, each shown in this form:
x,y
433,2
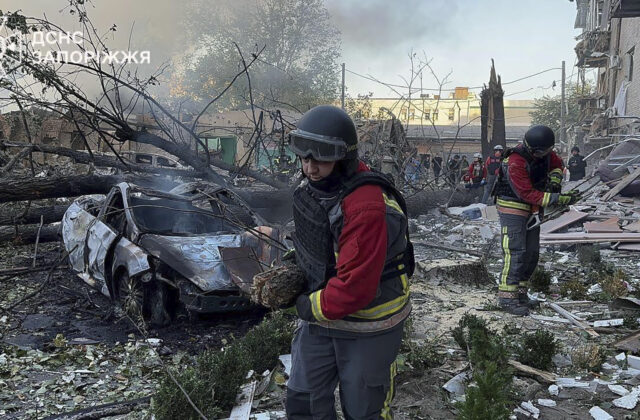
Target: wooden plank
x,y
563,312
583,237
635,246
244,399
630,343
632,227
608,226
540,375
565,220
621,185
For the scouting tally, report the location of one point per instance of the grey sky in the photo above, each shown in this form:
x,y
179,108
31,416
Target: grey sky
x,y
523,36
461,36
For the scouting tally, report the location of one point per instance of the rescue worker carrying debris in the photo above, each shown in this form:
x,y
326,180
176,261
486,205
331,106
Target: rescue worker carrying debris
x,y
493,165
351,241
529,179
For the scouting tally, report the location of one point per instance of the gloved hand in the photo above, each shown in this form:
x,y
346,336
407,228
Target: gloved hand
x,y
483,182
568,199
290,255
303,306
555,181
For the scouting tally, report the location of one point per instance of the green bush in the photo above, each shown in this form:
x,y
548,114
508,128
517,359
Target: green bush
x,y
540,280
213,382
537,349
490,398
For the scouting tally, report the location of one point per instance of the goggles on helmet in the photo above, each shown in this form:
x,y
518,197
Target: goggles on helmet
x,y
319,147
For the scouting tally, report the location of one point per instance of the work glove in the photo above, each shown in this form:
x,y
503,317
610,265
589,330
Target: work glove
x,y
290,256
567,199
555,181
483,182
303,307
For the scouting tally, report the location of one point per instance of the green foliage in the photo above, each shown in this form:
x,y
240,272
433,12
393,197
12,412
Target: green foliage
x,y
589,256
630,320
547,108
540,280
466,326
489,398
537,349
574,289
419,356
213,382
299,64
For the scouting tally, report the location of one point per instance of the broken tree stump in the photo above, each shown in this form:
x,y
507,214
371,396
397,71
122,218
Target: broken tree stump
x,y
463,271
278,287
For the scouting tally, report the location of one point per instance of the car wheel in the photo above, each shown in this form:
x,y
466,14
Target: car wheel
x,y
144,302
131,296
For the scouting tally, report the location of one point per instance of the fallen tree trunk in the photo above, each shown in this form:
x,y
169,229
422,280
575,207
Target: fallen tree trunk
x,y
27,148
63,186
28,234
49,214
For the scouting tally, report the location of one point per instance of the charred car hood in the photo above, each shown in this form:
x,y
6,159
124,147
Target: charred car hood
x,y
195,257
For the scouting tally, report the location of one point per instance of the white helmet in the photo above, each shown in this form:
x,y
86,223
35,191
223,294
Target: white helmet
x,y
498,147
477,155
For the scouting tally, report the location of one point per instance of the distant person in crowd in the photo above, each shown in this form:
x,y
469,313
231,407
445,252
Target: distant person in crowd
x,y
426,165
436,163
577,165
453,169
412,171
464,166
493,165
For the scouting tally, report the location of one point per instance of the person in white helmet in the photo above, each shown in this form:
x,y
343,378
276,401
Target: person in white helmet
x,y
476,175
493,166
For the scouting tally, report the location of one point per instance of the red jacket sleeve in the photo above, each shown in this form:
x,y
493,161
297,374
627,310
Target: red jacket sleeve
x,y
556,161
362,248
470,172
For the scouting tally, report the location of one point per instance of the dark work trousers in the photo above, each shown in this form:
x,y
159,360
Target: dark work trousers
x,y
364,367
520,250
491,179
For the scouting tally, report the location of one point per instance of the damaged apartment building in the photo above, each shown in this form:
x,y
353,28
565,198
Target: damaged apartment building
x,y
608,45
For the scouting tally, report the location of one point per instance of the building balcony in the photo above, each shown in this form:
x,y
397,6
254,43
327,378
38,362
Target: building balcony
x,y
593,49
625,8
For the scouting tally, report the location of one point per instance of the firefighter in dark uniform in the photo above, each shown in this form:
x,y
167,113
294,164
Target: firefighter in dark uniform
x,y
529,179
351,241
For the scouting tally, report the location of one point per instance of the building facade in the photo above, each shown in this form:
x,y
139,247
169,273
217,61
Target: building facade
x,y
608,43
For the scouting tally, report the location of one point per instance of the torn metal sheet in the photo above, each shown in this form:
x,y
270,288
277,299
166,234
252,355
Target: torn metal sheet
x,y
195,257
242,264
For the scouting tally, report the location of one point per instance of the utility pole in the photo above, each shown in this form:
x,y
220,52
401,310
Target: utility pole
x,y
342,95
563,136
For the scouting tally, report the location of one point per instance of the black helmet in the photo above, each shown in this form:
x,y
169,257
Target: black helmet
x,y
456,156
539,140
575,149
325,133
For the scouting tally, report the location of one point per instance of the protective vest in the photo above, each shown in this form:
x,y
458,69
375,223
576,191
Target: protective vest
x,y
318,221
477,172
494,164
538,170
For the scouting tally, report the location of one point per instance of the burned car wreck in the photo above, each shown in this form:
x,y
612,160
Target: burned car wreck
x,y
158,254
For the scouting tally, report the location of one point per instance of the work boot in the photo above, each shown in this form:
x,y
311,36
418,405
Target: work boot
x,y
513,306
523,298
